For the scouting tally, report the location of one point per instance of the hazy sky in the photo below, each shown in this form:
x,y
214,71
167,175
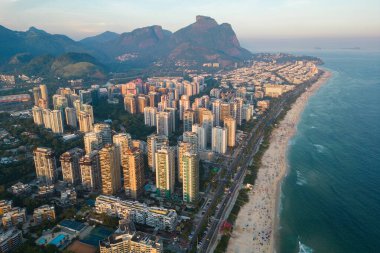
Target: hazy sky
x,y
259,20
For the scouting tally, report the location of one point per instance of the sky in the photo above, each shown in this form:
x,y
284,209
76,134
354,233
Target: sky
x,y
257,23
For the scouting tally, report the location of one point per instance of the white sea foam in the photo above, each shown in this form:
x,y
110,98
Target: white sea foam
x,y
301,180
304,249
320,148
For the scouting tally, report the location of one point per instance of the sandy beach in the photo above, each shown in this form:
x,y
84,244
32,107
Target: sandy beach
x,y
255,227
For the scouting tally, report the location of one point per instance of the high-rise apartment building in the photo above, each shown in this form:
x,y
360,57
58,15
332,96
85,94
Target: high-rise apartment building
x,y
36,95
154,143
56,121
192,138
44,96
230,125
70,165
188,120
182,148
153,98
71,117
163,123
238,110
105,132
219,140
110,170
150,116
173,118
37,116
45,164
216,106
190,185
130,104
225,111
89,110
165,171
46,118
85,122
207,121
59,102
132,163
122,143
92,141
201,134
142,102
90,171
184,104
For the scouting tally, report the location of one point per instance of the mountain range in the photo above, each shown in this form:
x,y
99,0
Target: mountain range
x,y
203,41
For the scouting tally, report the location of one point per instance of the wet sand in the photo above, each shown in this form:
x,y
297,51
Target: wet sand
x,y
256,223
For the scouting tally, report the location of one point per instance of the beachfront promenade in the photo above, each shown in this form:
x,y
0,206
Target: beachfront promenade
x,y
253,140
255,227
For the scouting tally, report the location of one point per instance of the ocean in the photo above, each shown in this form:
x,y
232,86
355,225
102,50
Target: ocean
x,y
330,198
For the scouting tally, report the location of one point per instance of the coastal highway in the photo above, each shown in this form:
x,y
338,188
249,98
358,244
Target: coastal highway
x,y
253,140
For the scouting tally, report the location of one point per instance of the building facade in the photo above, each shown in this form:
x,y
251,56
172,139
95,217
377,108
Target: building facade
x,y
45,165
165,171
70,165
219,140
132,162
157,217
90,171
190,167
109,170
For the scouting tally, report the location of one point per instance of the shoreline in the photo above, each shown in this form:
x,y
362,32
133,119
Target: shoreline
x,y
255,229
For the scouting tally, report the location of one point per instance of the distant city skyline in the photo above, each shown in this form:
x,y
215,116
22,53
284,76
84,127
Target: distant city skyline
x,y
275,23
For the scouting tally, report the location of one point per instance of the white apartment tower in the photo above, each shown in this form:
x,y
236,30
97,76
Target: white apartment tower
x,y
150,116
184,104
85,122
219,140
37,116
92,141
202,136
56,121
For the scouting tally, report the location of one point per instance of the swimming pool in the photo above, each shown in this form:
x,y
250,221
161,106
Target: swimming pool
x,y
41,241
58,240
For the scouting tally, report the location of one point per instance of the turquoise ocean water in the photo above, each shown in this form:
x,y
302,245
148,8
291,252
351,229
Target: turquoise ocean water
x,y
330,199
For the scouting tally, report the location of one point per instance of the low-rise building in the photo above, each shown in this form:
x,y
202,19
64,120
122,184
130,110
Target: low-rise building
x,y
44,213
19,188
9,240
14,217
127,239
45,190
5,206
68,196
161,218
